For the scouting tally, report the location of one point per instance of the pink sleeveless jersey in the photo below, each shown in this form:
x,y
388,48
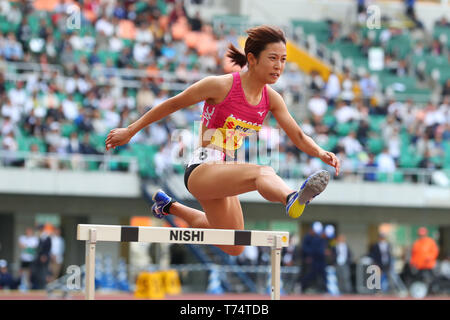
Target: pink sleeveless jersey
x,y
234,118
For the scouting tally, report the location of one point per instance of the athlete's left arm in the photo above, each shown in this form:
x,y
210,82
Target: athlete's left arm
x,y
296,134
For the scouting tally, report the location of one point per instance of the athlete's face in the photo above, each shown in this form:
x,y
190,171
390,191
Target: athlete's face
x,y
270,64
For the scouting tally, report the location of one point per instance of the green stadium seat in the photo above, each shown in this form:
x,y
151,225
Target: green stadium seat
x,y
67,129
98,141
398,177
78,54
382,177
409,160
329,119
104,55
438,31
317,28
375,145
375,122
400,45
344,129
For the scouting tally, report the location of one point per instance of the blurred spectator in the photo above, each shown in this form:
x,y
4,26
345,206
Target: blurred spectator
x,y
344,258
381,254
318,107
11,110
347,93
18,95
163,160
28,243
196,22
57,253
424,253
35,158
317,82
12,49
249,257
311,166
40,266
7,280
368,88
10,145
332,88
86,146
287,166
177,12
436,48
328,236
70,108
54,138
394,144
442,22
385,162
158,134
446,89
371,165
351,144
362,134
345,113
313,260
290,253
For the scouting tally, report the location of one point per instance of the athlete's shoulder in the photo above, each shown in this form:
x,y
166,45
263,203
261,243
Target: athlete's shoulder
x,y
275,99
217,87
220,79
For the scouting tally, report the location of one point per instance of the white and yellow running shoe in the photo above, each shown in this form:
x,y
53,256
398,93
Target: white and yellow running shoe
x,y
312,187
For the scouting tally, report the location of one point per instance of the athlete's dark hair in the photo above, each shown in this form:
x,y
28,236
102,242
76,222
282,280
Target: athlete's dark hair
x,y
258,38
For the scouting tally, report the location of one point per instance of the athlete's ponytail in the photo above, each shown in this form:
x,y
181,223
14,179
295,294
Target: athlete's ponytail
x,y
258,38
236,56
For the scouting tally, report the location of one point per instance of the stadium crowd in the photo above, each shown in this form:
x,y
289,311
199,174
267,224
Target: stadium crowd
x,y
125,57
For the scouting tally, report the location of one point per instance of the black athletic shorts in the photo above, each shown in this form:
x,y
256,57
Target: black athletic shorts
x,y
188,172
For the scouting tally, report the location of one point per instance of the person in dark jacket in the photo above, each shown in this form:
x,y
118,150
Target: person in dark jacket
x,y
40,267
381,254
7,281
313,259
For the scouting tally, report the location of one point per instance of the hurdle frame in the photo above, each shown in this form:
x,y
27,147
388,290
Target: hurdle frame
x,y
92,234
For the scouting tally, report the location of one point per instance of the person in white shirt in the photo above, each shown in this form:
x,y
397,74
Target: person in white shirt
x,y
70,108
343,261
27,244
318,107
386,162
11,110
18,95
103,25
345,113
333,87
351,144
56,253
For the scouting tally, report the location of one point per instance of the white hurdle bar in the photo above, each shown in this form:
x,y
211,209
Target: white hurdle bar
x,y
92,233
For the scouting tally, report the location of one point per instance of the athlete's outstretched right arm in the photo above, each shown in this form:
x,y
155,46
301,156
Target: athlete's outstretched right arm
x,y
204,89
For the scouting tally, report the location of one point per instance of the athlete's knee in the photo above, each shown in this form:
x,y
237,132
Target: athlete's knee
x,y
266,171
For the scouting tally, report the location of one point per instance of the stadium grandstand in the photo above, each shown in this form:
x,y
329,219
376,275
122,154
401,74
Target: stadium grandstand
x,y
375,90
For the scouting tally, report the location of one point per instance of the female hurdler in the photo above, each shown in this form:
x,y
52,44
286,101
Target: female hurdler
x,y
235,106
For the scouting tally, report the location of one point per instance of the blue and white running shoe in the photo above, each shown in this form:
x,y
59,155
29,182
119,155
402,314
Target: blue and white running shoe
x,y
312,187
161,200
